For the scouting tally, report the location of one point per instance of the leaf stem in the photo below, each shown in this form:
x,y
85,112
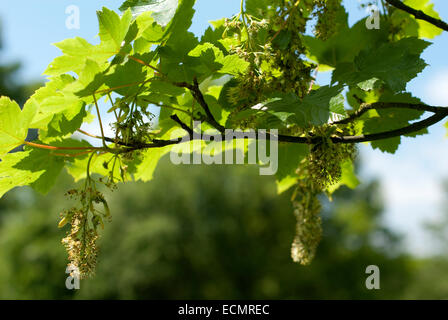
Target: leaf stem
x,y
145,64
243,18
100,121
47,147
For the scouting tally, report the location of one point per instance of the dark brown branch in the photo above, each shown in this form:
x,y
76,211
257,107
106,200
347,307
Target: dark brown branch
x,y
440,113
176,119
199,97
415,127
387,105
419,14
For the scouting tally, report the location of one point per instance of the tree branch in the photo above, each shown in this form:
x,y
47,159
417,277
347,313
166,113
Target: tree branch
x,y
394,133
199,97
388,105
420,15
176,119
440,114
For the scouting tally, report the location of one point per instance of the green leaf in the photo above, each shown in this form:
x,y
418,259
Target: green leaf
x,y
36,168
370,84
116,34
75,53
286,183
61,128
160,92
313,109
181,21
209,58
90,80
289,157
277,112
159,20
389,145
214,34
233,65
14,124
337,105
55,98
258,8
174,59
319,102
151,157
345,45
282,40
348,177
11,177
392,119
129,72
162,10
212,60
395,63
77,167
113,29
149,29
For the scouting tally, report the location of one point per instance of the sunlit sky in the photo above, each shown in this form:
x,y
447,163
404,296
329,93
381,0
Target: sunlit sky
x,y
411,179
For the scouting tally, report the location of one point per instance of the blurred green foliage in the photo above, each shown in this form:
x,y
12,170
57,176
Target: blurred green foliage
x,y
208,232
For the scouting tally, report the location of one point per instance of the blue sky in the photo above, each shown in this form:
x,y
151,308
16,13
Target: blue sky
x,y
411,183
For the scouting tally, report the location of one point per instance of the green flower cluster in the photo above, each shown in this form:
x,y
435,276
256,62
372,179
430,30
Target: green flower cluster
x,y
81,239
309,224
327,12
273,47
275,50
326,157
320,170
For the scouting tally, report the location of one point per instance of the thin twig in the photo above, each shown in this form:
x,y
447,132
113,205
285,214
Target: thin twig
x,y
199,97
47,147
386,105
123,86
415,127
166,106
88,134
176,119
99,119
121,143
314,79
145,64
71,155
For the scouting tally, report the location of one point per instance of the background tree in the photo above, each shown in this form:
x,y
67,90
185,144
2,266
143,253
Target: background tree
x,y
229,241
